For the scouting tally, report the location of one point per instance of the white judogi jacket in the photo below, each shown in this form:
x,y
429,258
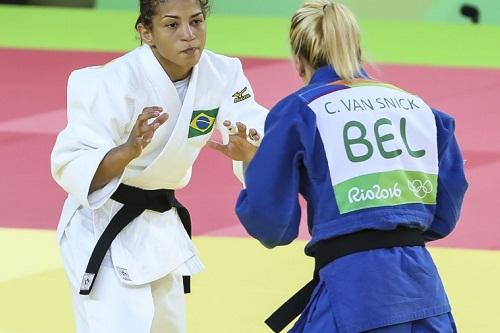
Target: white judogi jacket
x,y
103,105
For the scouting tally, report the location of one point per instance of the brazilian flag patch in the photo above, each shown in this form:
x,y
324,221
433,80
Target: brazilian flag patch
x,y
202,122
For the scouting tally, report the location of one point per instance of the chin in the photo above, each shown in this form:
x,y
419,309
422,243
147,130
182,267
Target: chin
x,y
192,61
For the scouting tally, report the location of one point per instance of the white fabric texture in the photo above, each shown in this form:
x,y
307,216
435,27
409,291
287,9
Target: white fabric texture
x,y
112,307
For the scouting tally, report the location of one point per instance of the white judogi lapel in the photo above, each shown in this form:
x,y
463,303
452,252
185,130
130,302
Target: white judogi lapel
x,y
168,156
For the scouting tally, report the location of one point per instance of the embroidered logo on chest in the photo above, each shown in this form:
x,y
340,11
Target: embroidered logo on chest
x,y
202,122
240,96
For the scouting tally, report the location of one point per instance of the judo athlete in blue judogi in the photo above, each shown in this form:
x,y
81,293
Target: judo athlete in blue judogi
x,y
382,175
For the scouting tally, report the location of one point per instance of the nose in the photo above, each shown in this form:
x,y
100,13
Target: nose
x,y
187,33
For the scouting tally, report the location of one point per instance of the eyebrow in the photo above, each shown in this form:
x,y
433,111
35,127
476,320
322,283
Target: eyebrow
x,y
177,17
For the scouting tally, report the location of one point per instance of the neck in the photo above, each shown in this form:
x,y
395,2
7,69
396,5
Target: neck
x,y
174,71
307,76
304,69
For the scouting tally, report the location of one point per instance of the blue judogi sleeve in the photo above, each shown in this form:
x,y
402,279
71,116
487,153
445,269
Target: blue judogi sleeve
x,y
451,179
269,207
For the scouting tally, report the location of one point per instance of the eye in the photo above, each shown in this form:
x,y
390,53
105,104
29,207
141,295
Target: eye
x,y
197,21
172,25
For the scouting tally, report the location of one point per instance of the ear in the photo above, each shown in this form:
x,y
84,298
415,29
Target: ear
x,y
145,34
303,69
300,66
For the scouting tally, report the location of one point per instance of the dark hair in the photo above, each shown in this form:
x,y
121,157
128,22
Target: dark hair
x,y
148,10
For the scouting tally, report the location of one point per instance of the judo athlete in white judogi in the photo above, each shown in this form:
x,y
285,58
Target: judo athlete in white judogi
x,y
138,123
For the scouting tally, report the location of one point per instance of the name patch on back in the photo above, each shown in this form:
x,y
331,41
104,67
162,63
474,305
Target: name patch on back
x,y
381,147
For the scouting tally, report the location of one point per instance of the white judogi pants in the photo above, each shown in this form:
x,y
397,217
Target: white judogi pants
x,y
112,307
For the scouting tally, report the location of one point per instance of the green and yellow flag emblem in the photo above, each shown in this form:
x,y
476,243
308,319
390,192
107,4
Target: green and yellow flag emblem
x,y
202,122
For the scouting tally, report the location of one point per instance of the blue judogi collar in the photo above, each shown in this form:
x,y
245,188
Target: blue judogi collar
x,y
327,74
321,83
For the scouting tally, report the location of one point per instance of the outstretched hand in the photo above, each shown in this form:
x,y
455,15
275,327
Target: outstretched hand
x,y
117,159
238,147
144,128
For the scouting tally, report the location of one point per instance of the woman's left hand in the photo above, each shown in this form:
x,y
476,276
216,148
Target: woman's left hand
x,y
238,147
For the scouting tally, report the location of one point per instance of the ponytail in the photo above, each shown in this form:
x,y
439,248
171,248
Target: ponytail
x,y
326,33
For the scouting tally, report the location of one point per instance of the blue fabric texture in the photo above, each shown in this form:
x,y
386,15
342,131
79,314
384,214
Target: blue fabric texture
x,y
366,290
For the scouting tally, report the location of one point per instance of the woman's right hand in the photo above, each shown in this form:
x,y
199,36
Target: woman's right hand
x,y
144,129
119,157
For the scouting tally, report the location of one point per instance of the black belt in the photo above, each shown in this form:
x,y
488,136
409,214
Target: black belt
x,y
135,201
327,251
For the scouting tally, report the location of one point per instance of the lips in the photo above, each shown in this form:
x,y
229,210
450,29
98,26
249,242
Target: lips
x,y
190,50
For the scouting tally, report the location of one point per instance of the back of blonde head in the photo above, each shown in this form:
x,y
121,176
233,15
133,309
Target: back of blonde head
x,y
326,33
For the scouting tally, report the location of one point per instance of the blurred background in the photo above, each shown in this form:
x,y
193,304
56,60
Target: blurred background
x,y
428,10
446,51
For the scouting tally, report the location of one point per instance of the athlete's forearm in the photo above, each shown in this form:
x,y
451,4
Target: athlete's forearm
x,y
111,166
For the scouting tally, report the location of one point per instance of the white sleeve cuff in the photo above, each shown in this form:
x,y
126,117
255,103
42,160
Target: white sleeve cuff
x,y
97,198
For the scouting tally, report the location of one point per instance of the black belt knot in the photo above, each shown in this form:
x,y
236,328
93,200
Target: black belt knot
x,y
331,249
158,200
135,201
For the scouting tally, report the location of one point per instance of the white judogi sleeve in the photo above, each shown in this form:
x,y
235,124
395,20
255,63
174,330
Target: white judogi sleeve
x,y
238,104
94,127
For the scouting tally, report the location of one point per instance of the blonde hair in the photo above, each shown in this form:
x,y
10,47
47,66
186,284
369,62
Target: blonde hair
x,y
326,33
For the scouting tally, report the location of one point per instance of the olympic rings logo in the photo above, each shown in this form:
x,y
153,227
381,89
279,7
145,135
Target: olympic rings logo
x,y
420,189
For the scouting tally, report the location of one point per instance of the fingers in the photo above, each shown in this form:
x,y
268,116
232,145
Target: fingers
x,y
147,137
253,137
161,119
141,141
148,121
239,128
145,128
253,134
242,130
153,126
217,146
230,128
148,113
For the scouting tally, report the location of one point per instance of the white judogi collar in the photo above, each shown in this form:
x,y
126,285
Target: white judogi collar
x,y
175,129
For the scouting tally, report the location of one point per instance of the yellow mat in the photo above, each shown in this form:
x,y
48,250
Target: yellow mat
x,y
242,284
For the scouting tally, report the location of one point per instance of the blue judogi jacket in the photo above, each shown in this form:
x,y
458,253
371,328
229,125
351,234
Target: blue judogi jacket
x,y
364,155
